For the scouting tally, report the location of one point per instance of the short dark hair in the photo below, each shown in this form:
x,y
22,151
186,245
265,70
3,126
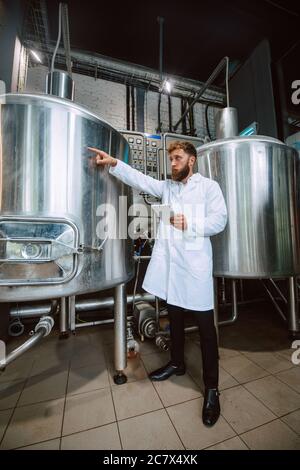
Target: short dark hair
x,y
187,147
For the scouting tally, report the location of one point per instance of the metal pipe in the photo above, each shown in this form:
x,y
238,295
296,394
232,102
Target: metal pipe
x,y
274,301
216,308
30,311
57,44
43,328
213,76
23,348
234,305
279,291
85,305
71,313
293,320
63,327
90,304
120,343
66,37
245,302
95,323
223,290
160,20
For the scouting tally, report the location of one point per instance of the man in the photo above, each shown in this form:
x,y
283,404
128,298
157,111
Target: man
x,y
180,269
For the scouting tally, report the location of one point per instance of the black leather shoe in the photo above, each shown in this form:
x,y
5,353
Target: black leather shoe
x,y
165,372
211,407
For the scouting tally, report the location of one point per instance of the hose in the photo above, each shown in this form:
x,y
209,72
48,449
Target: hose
x,y
56,47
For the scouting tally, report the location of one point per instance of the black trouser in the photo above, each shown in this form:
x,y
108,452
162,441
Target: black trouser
x,y
208,340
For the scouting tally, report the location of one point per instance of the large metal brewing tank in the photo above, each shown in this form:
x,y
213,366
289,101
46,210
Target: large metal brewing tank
x,y
259,178
50,192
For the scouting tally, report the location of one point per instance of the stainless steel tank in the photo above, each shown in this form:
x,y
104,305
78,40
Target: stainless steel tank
x,y
259,177
51,197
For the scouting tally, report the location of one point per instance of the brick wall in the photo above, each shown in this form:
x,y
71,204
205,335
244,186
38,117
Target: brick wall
x,y
108,100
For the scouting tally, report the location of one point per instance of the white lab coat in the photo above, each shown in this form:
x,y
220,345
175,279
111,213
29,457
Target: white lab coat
x,y
180,269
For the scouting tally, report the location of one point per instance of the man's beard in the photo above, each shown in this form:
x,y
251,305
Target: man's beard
x,y
181,174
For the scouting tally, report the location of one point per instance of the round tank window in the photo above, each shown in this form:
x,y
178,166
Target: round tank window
x,y
30,251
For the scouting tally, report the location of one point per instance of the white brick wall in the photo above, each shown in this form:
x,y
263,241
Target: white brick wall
x,y
108,101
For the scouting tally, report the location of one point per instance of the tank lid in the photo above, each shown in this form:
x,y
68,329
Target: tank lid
x,y
240,139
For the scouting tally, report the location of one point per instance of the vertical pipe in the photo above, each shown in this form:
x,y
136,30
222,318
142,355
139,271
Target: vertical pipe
x,y
293,320
63,316
72,313
120,328
128,127
160,20
132,109
234,306
216,307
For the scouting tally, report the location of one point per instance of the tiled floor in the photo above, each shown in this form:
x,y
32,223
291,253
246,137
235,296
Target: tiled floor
x,y
61,395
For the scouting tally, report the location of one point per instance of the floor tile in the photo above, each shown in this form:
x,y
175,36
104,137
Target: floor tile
x,y
272,362
293,420
187,419
88,356
44,387
291,377
17,370
235,443
133,399
226,380
155,361
241,369
226,353
102,438
152,431
34,423
243,411
4,419
272,436
88,410
46,445
10,393
277,396
87,378
50,365
177,389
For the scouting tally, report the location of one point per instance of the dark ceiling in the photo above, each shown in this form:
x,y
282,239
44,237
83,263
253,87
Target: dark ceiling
x,y
197,34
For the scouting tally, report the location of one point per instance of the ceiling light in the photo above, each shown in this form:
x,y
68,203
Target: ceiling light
x,y
168,86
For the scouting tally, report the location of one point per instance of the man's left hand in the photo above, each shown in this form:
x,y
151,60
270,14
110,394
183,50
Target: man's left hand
x,y
179,221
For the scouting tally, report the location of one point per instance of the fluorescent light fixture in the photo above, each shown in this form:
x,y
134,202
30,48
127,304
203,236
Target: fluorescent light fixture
x,y
250,130
36,56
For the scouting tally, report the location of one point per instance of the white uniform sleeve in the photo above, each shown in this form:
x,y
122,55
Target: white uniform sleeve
x,y
136,179
215,215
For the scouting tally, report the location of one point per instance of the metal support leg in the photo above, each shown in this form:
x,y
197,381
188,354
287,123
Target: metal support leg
x,y
63,319
216,307
234,307
120,334
72,313
293,315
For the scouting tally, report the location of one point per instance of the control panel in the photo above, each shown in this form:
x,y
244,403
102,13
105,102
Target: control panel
x,y
153,155
146,151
